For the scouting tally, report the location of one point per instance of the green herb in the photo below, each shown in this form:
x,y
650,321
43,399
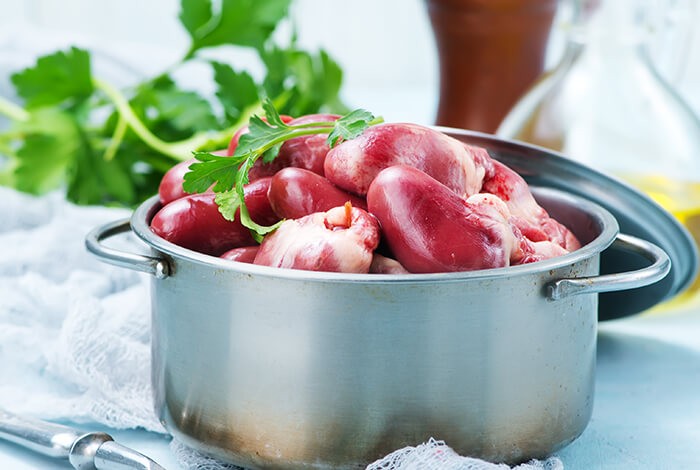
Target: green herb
x,y
105,145
228,175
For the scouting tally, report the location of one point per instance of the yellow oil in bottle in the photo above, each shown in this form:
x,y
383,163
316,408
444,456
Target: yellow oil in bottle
x,y
682,199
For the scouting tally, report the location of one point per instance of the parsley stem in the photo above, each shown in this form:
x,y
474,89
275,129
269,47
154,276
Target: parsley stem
x,y
315,125
181,150
296,133
323,126
116,140
309,129
13,111
127,113
5,148
203,139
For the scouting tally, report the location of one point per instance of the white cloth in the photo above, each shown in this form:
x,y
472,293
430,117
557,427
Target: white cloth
x,y
431,455
75,333
436,455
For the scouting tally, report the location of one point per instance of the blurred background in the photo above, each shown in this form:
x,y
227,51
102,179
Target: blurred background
x,y
386,48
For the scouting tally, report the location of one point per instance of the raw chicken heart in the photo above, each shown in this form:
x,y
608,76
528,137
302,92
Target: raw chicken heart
x,y
340,240
353,164
431,229
194,221
295,192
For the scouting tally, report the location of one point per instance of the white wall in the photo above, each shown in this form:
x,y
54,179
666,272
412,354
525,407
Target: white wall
x,y
385,46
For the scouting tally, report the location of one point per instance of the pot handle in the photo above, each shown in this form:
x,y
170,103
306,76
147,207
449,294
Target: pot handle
x,y
147,264
660,267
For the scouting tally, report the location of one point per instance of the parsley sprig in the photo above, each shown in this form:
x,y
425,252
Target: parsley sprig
x,y
228,175
72,130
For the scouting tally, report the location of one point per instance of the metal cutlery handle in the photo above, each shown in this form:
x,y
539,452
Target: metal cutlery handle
x,y
114,456
85,451
49,439
53,440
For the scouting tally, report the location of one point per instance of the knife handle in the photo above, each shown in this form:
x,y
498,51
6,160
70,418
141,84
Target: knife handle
x,y
53,440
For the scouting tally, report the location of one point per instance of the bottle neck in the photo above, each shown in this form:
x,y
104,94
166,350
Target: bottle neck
x,y
610,23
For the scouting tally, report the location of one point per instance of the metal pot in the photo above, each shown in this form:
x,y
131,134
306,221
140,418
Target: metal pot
x,y
276,368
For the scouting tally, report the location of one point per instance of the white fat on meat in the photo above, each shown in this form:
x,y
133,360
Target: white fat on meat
x,y
521,249
384,265
530,218
497,212
339,240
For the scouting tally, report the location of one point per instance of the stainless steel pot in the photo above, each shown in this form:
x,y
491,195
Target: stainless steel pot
x,y
275,368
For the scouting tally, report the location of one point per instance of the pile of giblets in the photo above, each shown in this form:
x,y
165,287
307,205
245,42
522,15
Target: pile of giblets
x,y
399,198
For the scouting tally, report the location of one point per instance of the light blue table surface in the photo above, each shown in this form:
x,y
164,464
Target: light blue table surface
x,y
646,414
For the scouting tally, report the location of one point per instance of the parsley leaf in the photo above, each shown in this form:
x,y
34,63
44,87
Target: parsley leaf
x,y
312,80
86,175
349,126
228,175
185,111
212,170
55,78
50,144
261,137
195,14
239,22
328,78
236,90
228,202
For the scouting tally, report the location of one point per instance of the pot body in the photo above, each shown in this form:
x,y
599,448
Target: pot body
x,y
270,368
285,373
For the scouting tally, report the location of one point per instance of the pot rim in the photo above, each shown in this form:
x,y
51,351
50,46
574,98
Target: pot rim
x,y
141,217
